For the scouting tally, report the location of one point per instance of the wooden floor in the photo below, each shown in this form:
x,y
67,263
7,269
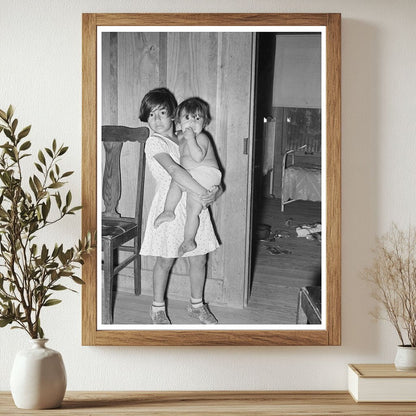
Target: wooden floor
x,y
287,260
282,265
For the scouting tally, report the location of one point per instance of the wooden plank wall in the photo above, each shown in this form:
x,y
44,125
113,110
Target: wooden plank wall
x,y
133,64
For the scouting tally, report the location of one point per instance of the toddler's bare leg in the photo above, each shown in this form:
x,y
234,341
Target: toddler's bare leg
x,y
172,199
193,209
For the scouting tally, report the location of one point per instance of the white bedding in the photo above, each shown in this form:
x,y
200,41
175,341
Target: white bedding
x,y
303,183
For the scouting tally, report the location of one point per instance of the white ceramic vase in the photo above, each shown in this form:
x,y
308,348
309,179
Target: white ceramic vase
x,y
38,377
405,358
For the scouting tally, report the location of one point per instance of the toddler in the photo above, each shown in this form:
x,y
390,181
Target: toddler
x,y
197,156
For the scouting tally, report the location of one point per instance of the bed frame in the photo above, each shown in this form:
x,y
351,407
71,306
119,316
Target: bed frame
x,y
301,176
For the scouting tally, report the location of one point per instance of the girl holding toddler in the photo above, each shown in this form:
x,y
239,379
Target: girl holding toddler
x,y
164,237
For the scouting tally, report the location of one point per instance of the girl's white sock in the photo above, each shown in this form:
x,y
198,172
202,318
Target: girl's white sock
x,y
158,306
197,303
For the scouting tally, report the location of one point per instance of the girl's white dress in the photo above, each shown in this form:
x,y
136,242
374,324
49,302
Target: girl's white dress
x,y
165,240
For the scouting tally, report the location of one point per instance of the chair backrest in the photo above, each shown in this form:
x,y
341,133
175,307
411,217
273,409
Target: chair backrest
x,y
113,138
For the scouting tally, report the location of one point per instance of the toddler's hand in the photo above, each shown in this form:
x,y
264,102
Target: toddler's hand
x,y
189,134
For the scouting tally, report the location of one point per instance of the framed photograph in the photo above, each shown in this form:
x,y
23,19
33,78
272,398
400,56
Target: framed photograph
x,y
253,131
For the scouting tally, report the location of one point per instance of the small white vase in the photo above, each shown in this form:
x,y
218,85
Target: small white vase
x,y
38,377
405,358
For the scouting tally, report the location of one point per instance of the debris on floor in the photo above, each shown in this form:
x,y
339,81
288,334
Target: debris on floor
x,y
281,234
289,222
263,232
274,250
269,239
310,232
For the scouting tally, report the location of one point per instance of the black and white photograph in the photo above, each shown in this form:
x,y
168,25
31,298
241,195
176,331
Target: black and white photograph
x,y
211,171
212,191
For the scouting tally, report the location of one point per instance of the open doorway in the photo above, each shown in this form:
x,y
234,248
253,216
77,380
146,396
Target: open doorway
x,y
286,225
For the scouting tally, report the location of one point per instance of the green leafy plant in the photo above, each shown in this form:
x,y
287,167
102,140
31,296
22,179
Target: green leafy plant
x,y
30,272
393,277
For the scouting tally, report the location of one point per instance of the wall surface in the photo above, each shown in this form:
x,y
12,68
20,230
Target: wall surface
x,y
40,74
297,73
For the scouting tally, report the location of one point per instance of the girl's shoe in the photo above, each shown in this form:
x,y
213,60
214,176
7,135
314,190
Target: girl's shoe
x,y
159,317
202,313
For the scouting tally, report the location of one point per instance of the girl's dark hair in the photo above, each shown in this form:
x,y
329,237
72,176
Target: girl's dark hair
x,y
158,97
194,105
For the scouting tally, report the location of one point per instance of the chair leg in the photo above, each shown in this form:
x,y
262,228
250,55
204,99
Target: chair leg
x,y
108,283
137,269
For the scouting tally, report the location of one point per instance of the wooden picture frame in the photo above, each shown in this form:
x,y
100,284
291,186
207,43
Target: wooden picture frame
x,y
327,334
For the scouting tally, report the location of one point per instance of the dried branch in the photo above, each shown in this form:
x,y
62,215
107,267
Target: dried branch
x,y
393,277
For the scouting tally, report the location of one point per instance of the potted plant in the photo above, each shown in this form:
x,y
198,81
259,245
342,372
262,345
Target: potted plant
x,y
31,273
393,277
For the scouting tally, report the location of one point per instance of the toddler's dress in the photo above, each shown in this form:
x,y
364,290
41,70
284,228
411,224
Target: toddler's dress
x,y
165,240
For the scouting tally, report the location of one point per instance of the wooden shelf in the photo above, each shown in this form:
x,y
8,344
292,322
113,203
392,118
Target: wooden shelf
x,y
178,403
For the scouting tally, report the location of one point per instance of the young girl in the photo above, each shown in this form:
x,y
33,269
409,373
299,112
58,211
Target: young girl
x,y
162,157
198,158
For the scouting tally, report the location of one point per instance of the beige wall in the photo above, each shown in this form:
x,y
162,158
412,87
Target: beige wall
x,y
40,74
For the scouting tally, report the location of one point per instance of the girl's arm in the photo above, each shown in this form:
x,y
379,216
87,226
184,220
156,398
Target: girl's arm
x,y
197,145
179,174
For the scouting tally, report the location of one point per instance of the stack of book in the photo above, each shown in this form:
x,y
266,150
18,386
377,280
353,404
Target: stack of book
x,y
381,383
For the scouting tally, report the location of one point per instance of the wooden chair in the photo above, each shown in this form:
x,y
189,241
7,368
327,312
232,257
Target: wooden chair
x,y
116,229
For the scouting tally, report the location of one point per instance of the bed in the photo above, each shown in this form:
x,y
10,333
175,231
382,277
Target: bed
x,y
301,175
